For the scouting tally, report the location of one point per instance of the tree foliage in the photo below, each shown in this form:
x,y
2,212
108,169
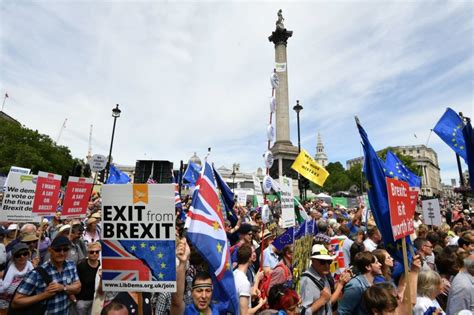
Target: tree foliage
x,y
20,146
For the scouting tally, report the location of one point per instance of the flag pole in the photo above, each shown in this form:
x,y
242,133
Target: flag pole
x,y
4,100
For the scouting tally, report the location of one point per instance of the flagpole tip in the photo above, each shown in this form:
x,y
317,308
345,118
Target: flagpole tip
x,y
357,120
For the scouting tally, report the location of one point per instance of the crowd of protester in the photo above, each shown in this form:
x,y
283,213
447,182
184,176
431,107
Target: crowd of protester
x,y
54,266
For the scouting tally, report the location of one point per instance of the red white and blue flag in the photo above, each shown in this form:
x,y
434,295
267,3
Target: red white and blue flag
x,y
206,232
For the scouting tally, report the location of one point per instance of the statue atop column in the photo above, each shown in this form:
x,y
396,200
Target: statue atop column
x,y
279,22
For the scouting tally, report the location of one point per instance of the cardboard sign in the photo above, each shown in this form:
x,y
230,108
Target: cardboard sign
x,y
47,194
77,196
18,198
287,203
399,203
138,238
431,212
241,197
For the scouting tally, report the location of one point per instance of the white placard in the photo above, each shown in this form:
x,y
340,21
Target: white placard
x,y
138,238
241,197
287,203
258,190
18,200
431,212
280,66
98,162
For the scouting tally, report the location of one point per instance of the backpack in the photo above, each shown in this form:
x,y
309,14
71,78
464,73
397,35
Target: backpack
x,y
38,308
320,285
264,285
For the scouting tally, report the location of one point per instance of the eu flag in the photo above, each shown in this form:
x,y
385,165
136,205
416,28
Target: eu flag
x,y
116,176
284,239
469,138
378,197
227,197
449,129
308,227
191,174
394,167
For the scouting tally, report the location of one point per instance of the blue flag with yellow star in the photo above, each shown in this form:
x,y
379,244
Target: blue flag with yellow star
x,y
378,199
394,167
449,129
159,256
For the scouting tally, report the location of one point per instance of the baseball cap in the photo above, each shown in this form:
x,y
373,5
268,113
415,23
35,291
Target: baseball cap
x,y
18,247
60,241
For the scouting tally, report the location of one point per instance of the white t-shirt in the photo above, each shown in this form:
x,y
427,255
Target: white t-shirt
x,y
14,277
423,303
242,285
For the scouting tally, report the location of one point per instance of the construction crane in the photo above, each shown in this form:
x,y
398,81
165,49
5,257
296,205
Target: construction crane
x,y
61,131
89,150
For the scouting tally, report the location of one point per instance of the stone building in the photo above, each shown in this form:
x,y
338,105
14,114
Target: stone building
x,y
426,161
321,157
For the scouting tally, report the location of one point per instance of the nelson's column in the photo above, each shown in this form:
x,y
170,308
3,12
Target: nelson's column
x,y
283,150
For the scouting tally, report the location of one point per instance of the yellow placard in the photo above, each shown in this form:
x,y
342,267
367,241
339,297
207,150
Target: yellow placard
x,y
140,193
308,168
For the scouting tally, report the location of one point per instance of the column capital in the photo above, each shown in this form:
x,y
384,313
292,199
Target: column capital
x,y
280,36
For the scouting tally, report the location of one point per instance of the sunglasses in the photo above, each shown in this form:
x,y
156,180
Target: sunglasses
x,y
94,252
61,249
323,262
22,254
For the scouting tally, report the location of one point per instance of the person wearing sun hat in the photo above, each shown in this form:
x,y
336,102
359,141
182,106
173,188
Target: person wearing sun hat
x,y
317,288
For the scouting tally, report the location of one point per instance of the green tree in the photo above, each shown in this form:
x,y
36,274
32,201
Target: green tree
x,y
28,148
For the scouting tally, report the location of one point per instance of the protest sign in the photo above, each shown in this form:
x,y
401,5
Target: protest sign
x,y
78,191
431,212
18,198
258,190
15,169
241,197
47,194
138,234
287,203
399,204
98,162
309,168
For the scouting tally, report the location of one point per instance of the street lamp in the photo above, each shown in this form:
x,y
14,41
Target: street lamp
x,y
115,114
233,178
298,108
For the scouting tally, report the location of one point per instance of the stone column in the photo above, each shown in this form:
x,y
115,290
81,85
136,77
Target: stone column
x,y
280,38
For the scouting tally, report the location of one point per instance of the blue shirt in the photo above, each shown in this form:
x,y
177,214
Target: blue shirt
x,y
33,284
270,258
351,302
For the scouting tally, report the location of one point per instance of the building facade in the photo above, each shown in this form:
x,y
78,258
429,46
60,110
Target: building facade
x,y
426,161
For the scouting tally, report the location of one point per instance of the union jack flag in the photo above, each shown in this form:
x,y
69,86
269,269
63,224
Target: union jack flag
x,y
206,232
119,264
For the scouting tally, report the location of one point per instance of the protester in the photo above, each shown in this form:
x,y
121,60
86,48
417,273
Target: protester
x,y
373,239
87,271
369,267
317,287
429,283
91,233
282,273
64,282
461,294
381,299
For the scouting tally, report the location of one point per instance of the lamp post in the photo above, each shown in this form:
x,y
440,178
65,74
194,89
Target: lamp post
x,y
298,108
115,114
233,178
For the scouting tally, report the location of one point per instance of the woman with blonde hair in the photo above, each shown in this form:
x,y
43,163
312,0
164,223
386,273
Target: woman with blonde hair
x,y
428,287
87,270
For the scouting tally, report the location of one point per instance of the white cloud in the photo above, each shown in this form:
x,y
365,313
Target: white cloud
x,y
189,76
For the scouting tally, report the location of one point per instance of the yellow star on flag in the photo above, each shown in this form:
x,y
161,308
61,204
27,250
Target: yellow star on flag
x,y
163,265
160,255
215,225
219,247
227,265
152,247
160,275
133,247
461,147
142,245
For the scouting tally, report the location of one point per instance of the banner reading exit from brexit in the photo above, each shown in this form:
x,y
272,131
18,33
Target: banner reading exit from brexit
x,y
308,168
138,238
